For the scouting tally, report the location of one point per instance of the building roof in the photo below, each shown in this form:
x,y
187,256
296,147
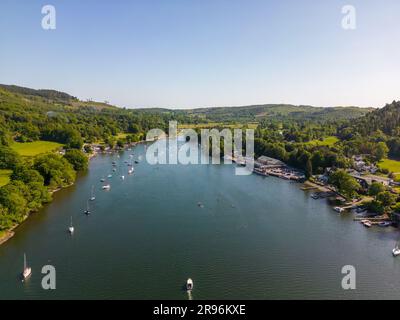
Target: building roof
x,y
269,161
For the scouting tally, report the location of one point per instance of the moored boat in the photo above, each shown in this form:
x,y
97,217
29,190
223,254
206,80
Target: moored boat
x,y
92,197
189,284
339,209
26,273
71,228
384,224
87,211
367,223
396,251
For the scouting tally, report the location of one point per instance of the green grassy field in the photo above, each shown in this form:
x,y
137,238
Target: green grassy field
x,y
391,165
211,125
121,135
31,149
328,141
4,177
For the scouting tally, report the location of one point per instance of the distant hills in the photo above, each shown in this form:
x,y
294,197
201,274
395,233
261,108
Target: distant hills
x,y
251,113
279,112
43,93
51,96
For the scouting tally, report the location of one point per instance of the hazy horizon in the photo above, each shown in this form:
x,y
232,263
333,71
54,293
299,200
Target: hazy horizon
x,y
196,107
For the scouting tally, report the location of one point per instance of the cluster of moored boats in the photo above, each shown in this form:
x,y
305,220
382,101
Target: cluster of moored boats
x,y
27,271
106,186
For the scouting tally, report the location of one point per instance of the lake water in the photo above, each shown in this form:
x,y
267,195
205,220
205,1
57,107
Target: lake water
x,y
255,238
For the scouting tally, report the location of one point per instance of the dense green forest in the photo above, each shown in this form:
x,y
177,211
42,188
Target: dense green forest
x,y
258,113
305,137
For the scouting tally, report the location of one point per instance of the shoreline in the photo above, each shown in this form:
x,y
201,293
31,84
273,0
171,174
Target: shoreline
x,y
8,234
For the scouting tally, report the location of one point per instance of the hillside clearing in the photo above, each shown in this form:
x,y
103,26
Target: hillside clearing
x,y
212,125
4,177
32,149
391,165
328,141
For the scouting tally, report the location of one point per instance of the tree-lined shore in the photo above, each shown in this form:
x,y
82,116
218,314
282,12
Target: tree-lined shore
x,y
47,136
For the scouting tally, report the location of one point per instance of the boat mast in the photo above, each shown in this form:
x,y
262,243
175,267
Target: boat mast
x,y
24,261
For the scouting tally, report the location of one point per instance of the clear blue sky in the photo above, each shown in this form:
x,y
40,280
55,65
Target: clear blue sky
x,y
192,53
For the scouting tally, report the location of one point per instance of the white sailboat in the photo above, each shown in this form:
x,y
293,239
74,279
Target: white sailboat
x,y
106,187
396,250
131,168
71,228
87,211
189,284
26,273
93,197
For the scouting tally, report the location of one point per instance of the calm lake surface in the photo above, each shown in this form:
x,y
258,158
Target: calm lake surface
x,y
255,238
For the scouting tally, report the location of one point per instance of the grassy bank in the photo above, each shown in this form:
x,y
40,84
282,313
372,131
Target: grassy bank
x,y
4,177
